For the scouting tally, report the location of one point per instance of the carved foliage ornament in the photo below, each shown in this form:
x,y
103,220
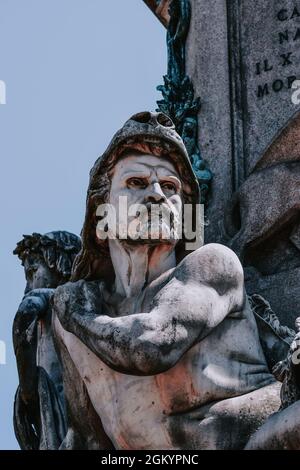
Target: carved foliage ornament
x,y
179,101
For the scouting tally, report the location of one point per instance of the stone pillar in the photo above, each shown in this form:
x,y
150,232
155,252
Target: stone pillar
x,y
243,59
207,65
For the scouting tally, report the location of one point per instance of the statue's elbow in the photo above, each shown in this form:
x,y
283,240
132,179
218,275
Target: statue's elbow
x,y
155,359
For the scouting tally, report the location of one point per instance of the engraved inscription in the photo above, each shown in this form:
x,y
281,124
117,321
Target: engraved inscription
x,y
284,60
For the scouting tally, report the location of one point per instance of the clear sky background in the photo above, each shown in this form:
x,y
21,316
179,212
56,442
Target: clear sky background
x,y
75,70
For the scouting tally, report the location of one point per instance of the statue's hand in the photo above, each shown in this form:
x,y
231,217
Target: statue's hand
x,y
35,304
75,300
37,301
33,307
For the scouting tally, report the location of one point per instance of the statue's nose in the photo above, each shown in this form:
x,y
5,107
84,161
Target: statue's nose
x,y
155,194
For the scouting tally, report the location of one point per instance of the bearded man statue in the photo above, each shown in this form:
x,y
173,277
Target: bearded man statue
x,y
158,344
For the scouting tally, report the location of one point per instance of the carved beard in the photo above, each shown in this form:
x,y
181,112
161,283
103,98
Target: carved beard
x,y
160,223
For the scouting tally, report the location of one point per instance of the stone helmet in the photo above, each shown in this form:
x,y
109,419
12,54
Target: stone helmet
x,y
147,133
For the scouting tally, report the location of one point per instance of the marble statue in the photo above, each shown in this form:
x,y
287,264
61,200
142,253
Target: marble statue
x,y
158,345
39,414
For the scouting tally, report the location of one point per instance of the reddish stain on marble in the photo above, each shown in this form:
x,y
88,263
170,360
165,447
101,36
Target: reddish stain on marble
x,y
176,388
123,444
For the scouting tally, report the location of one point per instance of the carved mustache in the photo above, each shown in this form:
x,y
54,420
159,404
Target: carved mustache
x,y
162,210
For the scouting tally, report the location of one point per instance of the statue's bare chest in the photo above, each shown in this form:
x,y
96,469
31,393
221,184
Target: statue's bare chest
x,y
126,402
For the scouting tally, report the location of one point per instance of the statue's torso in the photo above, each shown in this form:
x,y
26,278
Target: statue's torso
x,y
207,394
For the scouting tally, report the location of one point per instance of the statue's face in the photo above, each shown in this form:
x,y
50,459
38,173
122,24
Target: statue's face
x,y
154,183
38,275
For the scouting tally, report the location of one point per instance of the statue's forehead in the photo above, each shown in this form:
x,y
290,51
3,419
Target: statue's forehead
x,y
132,163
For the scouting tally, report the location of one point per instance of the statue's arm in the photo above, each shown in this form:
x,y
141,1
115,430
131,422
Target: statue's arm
x,y
206,287
33,306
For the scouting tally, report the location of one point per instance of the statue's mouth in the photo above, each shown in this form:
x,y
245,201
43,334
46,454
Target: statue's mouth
x,y
158,224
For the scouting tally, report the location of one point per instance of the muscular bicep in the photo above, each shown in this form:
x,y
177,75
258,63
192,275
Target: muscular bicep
x,y
187,312
205,288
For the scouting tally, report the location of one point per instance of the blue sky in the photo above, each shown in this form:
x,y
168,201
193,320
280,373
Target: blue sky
x,y
75,70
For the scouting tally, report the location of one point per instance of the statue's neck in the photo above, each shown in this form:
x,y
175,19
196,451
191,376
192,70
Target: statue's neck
x,y
138,265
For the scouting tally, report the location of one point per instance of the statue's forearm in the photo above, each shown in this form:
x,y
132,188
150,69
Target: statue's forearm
x,y
26,364
183,313
150,343
133,344
25,342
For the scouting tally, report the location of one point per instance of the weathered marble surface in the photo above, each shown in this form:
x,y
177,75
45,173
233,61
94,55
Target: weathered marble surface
x,y
281,430
146,334
39,414
268,33
242,57
166,354
262,226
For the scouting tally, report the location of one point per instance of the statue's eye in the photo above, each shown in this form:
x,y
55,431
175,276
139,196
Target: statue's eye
x,y
169,187
136,183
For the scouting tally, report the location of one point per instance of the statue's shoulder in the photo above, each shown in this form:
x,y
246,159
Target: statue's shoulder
x,y
78,293
215,265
